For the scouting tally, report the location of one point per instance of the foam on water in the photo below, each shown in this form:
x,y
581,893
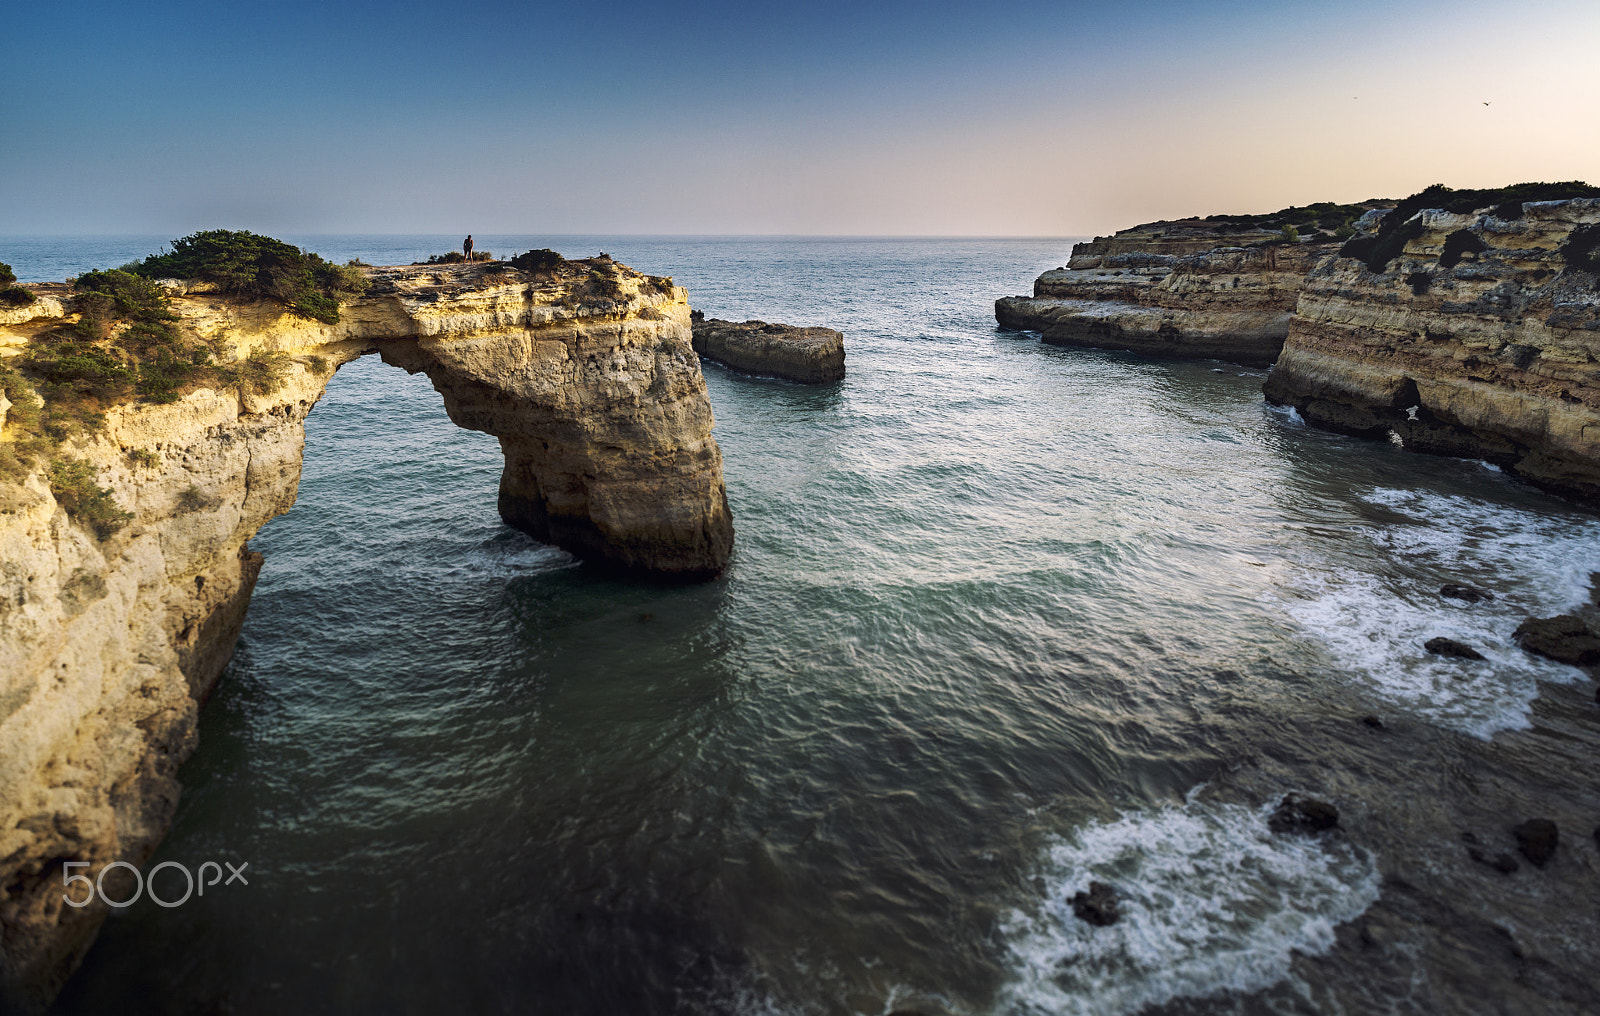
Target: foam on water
x,y
1375,620
1211,902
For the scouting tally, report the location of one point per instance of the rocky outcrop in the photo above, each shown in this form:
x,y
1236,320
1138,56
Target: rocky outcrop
x,y
1476,340
807,355
1172,289
107,646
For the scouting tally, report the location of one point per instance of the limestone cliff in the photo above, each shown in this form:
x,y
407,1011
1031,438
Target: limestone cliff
x,y
807,355
1173,289
107,646
1477,340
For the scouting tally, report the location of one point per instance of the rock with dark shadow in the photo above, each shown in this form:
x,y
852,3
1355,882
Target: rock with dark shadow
x,y
1450,647
1564,638
1460,591
1098,906
1298,814
1537,839
810,356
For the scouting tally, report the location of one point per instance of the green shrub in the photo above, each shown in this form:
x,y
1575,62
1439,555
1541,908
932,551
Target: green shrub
x,y
258,267
537,260
16,296
73,483
7,276
453,257
144,457
662,283
261,372
318,365
1290,234
1397,227
605,286
193,500
1462,241
1582,249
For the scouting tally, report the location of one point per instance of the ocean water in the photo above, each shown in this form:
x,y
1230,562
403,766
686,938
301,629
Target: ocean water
x,y
1002,618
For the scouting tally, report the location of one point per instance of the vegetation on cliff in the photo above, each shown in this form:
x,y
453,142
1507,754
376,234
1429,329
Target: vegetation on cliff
x,y
73,483
11,294
1310,220
245,264
1582,249
1399,226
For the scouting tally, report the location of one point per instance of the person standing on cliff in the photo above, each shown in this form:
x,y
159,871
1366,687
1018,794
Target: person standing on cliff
x,y
466,246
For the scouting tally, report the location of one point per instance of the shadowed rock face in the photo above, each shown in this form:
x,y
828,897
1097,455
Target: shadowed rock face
x,y
1493,357
807,355
108,647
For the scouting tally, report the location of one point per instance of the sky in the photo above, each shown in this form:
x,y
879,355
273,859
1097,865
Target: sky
x,y
833,118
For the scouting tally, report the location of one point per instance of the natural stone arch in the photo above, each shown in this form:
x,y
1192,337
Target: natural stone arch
x,y
585,374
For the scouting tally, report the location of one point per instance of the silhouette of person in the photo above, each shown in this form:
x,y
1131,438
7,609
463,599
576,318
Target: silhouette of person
x,y
466,246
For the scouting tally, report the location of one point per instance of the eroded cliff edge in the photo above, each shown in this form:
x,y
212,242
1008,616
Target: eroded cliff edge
x,y
1479,339
1181,289
107,646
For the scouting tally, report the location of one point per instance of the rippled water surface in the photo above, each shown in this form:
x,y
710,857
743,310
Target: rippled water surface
x,y
1001,620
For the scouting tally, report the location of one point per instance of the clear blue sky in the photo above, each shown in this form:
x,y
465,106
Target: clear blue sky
x,y
1005,119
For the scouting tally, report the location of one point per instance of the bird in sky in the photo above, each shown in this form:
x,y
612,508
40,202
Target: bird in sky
x,y
1486,104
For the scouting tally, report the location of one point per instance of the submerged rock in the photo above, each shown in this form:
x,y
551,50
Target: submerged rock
x,y
1460,591
1450,647
1537,839
1565,638
1098,906
808,355
1298,814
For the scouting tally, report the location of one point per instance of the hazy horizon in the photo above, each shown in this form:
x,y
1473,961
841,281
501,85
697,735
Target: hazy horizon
x,y
1032,120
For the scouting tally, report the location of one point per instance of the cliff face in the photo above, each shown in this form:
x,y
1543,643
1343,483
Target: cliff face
x,y
1488,354
107,647
807,355
1173,290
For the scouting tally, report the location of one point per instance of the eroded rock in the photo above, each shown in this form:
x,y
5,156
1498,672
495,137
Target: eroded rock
x,y
107,647
1459,591
1098,906
1450,647
807,355
1537,839
1564,638
1296,814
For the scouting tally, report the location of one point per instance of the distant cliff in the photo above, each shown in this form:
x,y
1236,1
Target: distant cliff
x,y
1458,322
1219,288
123,585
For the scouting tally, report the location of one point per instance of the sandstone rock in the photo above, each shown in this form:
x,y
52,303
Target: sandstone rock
x,y
807,355
1564,638
1171,289
1537,839
1450,647
1458,591
1098,906
1296,814
1498,358
107,647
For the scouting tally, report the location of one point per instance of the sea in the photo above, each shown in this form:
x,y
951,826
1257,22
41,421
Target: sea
x,y
1003,619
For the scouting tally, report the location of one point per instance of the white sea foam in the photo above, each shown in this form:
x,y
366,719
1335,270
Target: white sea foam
x,y
1375,621
1211,901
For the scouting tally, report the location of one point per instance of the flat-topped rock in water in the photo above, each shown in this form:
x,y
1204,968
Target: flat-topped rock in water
x,y
807,355
109,640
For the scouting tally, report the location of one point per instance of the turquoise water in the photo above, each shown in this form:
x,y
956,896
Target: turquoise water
x,y
1002,618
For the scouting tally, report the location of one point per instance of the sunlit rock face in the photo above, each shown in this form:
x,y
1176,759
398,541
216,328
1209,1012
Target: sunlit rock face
x,y
1171,289
1487,354
107,647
